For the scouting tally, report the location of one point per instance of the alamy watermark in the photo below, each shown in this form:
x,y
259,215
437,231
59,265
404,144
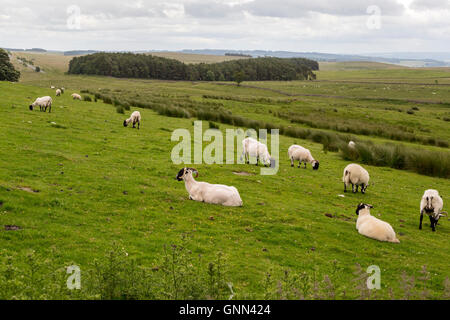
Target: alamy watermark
x,y
374,280
74,280
374,20
213,153
74,17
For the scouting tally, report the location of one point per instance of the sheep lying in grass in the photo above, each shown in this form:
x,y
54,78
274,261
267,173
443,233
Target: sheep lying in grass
x,y
58,92
301,154
209,193
432,205
357,176
253,148
351,144
135,118
76,96
372,227
43,103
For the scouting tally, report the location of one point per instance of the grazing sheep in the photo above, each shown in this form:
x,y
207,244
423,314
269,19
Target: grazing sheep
x,y
58,92
372,227
76,96
432,205
63,89
357,176
253,148
209,193
135,118
43,103
52,87
351,144
301,154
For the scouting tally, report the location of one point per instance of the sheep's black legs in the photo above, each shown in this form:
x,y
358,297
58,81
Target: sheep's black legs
x,y
432,223
257,160
357,189
304,166
421,218
299,164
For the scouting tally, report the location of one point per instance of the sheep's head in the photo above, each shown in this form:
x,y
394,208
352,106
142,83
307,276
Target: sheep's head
x,y
31,107
429,206
363,206
125,123
315,165
184,172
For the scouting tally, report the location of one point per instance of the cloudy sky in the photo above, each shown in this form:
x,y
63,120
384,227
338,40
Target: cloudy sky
x,y
335,26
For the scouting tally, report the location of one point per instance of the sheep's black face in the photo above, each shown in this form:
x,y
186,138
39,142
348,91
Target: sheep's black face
x,y
362,206
31,107
125,123
316,165
181,174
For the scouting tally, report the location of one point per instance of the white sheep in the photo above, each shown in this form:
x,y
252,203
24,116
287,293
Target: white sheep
x,y
135,118
58,92
43,103
63,89
432,205
52,87
372,227
76,96
209,193
351,144
253,148
296,152
357,176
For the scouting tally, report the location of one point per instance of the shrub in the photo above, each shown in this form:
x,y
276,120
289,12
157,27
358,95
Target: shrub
x,y
87,98
120,109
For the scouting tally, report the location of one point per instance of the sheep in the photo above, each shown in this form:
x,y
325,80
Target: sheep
x,y
43,103
301,154
63,89
76,96
357,176
253,148
432,205
209,193
372,227
351,144
135,118
52,87
58,92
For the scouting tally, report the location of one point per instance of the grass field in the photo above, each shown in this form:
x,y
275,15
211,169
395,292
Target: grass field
x,y
84,190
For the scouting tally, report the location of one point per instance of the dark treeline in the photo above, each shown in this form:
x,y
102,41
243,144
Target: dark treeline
x,y
7,71
130,65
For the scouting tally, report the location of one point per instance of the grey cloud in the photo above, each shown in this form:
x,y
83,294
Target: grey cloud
x,y
430,4
294,8
211,9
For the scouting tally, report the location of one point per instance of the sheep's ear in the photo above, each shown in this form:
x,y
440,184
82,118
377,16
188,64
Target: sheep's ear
x,y
370,206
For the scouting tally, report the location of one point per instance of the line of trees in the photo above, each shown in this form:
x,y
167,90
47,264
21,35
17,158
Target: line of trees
x,y
130,65
7,71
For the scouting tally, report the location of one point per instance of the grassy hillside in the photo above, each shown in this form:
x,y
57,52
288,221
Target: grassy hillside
x,y
82,188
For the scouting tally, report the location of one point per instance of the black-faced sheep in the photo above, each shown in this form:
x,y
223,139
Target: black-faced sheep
x,y
253,148
357,176
372,227
296,152
43,103
134,118
432,205
209,193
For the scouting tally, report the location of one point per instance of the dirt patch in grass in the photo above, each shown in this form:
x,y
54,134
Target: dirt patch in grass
x,y
28,189
11,227
243,173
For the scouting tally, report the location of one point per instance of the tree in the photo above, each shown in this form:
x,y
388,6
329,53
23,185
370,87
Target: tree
x,y
210,76
7,71
239,76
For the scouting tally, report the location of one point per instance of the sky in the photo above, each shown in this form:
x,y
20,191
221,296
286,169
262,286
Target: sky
x,y
332,26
